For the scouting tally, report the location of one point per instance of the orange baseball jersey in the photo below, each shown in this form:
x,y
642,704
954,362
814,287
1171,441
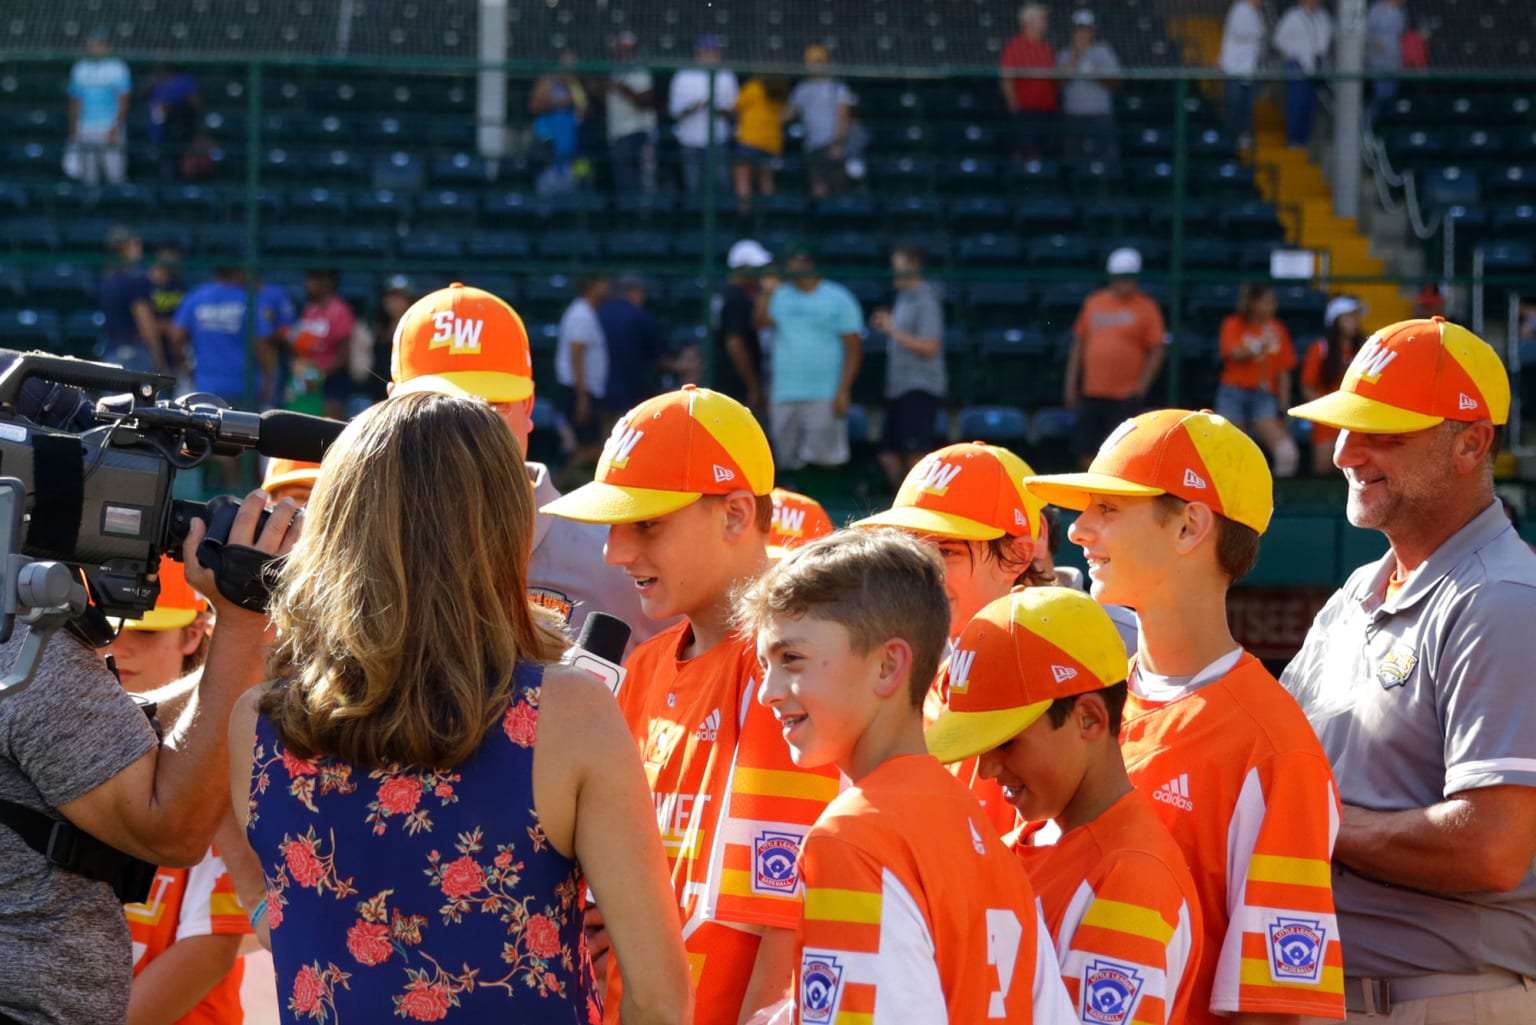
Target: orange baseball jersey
x,y
1124,914
1240,780
988,793
187,902
732,807
915,911
1277,354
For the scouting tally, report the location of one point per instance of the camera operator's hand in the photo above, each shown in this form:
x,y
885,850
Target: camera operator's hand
x,y
277,538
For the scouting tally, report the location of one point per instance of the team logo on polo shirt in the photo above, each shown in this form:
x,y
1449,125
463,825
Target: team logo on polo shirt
x,y
1395,669
555,601
775,858
821,980
1296,948
1110,992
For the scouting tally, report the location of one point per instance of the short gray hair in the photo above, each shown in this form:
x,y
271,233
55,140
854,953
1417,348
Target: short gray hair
x,y
1029,11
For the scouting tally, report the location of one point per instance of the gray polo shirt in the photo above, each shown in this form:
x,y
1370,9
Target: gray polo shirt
x,y
917,311
1418,698
1087,96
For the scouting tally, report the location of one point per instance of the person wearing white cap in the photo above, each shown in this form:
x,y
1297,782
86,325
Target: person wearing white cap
x,y
1089,132
738,345
1323,366
1117,351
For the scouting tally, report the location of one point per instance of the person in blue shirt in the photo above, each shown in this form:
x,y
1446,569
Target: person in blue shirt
x,y
130,334
174,105
212,321
816,355
635,346
99,90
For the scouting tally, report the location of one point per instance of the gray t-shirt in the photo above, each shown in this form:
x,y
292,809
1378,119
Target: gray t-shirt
x,y
65,956
1088,97
917,311
1415,698
817,100
1384,27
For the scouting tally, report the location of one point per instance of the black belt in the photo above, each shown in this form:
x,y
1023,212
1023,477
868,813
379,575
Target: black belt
x,y
69,847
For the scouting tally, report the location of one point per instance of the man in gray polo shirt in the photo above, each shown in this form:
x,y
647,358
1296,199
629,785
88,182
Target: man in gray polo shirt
x,y
915,377
1088,127
1417,677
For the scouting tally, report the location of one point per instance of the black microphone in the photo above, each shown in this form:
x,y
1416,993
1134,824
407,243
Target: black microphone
x,y
600,648
289,435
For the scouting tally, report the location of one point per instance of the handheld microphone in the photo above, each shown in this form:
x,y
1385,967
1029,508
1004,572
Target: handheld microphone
x,y
600,648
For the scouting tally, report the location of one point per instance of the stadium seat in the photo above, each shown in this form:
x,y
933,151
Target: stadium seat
x,y
125,201
165,235
1060,302
360,242
400,171
846,213
427,245
979,213
849,247
444,210
11,286
193,201
919,212
1448,186
1052,213
81,332
498,245
1007,426
318,205
84,234
1053,424
646,206
1503,257
1000,304
30,233
512,207
61,287
1515,221
989,249
1063,251
384,208
294,240
219,240
638,246
30,328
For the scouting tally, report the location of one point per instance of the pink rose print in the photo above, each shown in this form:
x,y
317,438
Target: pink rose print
x,y
307,989
521,724
369,942
504,859
302,863
297,766
274,909
551,982
462,878
543,937
444,790
399,795
425,1002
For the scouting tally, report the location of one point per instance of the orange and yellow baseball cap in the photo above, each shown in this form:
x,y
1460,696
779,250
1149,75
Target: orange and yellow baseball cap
x,y
177,606
973,491
1019,654
1413,375
1196,456
462,341
797,519
283,472
667,453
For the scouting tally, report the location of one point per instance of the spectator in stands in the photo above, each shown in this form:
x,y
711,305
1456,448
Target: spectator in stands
x,y
174,106
631,120
1117,350
1089,132
738,347
636,349
1323,369
1032,101
558,104
1429,301
581,368
1242,52
167,288
275,306
1385,24
915,378
130,334
694,124
322,347
99,91
759,138
212,324
824,105
816,354
1257,360
1304,38
1416,47
395,297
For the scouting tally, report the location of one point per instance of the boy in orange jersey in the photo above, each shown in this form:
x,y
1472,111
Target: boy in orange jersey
x,y
968,501
1172,509
1040,701
914,909
683,484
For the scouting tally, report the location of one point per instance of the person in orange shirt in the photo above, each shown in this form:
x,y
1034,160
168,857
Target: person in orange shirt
x,y
968,502
290,478
683,485
1257,359
1322,370
1044,691
1172,510
1117,350
914,909
797,519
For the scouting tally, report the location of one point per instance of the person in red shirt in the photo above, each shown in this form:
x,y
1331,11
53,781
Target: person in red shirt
x,y
1257,359
1032,101
322,346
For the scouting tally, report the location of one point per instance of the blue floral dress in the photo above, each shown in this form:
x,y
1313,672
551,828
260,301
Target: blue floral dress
x,y
418,894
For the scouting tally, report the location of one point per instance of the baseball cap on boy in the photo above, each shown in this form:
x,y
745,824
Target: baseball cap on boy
x,y
462,341
283,472
1022,652
1196,456
972,491
177,606
1412,375
797,519
667,453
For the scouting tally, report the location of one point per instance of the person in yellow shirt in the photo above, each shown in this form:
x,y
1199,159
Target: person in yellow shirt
x,y
759,138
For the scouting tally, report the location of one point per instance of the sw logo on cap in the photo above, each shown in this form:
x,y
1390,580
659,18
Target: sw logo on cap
x,y
1372,360
938,476
1063,673
960,670
460,334
1117,436
621,444
789,521
1194,480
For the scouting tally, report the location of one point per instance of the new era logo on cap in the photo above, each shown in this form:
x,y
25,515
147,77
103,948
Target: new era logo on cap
x,y
1465,401
723,474
1194,480
1063,673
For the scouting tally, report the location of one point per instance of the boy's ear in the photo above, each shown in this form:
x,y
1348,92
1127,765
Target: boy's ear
x,y
740,514
1197,522
895,667
1090,716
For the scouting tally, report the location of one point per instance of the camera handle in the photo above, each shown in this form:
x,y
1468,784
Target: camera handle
x,y
44,595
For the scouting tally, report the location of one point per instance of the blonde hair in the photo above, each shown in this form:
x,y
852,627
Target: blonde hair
x,y
404,607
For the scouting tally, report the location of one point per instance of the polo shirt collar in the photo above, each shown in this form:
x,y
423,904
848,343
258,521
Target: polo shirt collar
x,y
1479,531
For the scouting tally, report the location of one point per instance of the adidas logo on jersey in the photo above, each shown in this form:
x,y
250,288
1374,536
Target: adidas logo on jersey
x,y
1175,792
1063,673
976,842
1194,480
709,729
1465,401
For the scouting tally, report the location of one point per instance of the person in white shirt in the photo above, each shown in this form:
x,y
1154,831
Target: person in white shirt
x,y
581,368
1304,38
692,122
631,108
1242,51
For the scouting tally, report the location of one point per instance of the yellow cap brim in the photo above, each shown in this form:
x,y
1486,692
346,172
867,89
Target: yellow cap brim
x,y
158,619
598,502
929,521
1071,490
490,385
1350,412
283,480
955,736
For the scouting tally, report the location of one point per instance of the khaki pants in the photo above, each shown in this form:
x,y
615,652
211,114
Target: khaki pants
x,y
1512,1005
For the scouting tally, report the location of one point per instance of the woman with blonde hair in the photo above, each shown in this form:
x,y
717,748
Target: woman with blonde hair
x,y
425,808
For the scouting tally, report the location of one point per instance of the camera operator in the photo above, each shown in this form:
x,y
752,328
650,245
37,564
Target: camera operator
x,y
74,745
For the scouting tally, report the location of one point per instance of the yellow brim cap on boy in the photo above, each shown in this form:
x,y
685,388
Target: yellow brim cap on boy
x,y
1022,652
667,453
1413,375
797,519
972,491
462,341
1196,456
177,606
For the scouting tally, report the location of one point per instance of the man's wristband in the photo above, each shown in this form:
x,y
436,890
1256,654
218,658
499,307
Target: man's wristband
x,y
259,914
